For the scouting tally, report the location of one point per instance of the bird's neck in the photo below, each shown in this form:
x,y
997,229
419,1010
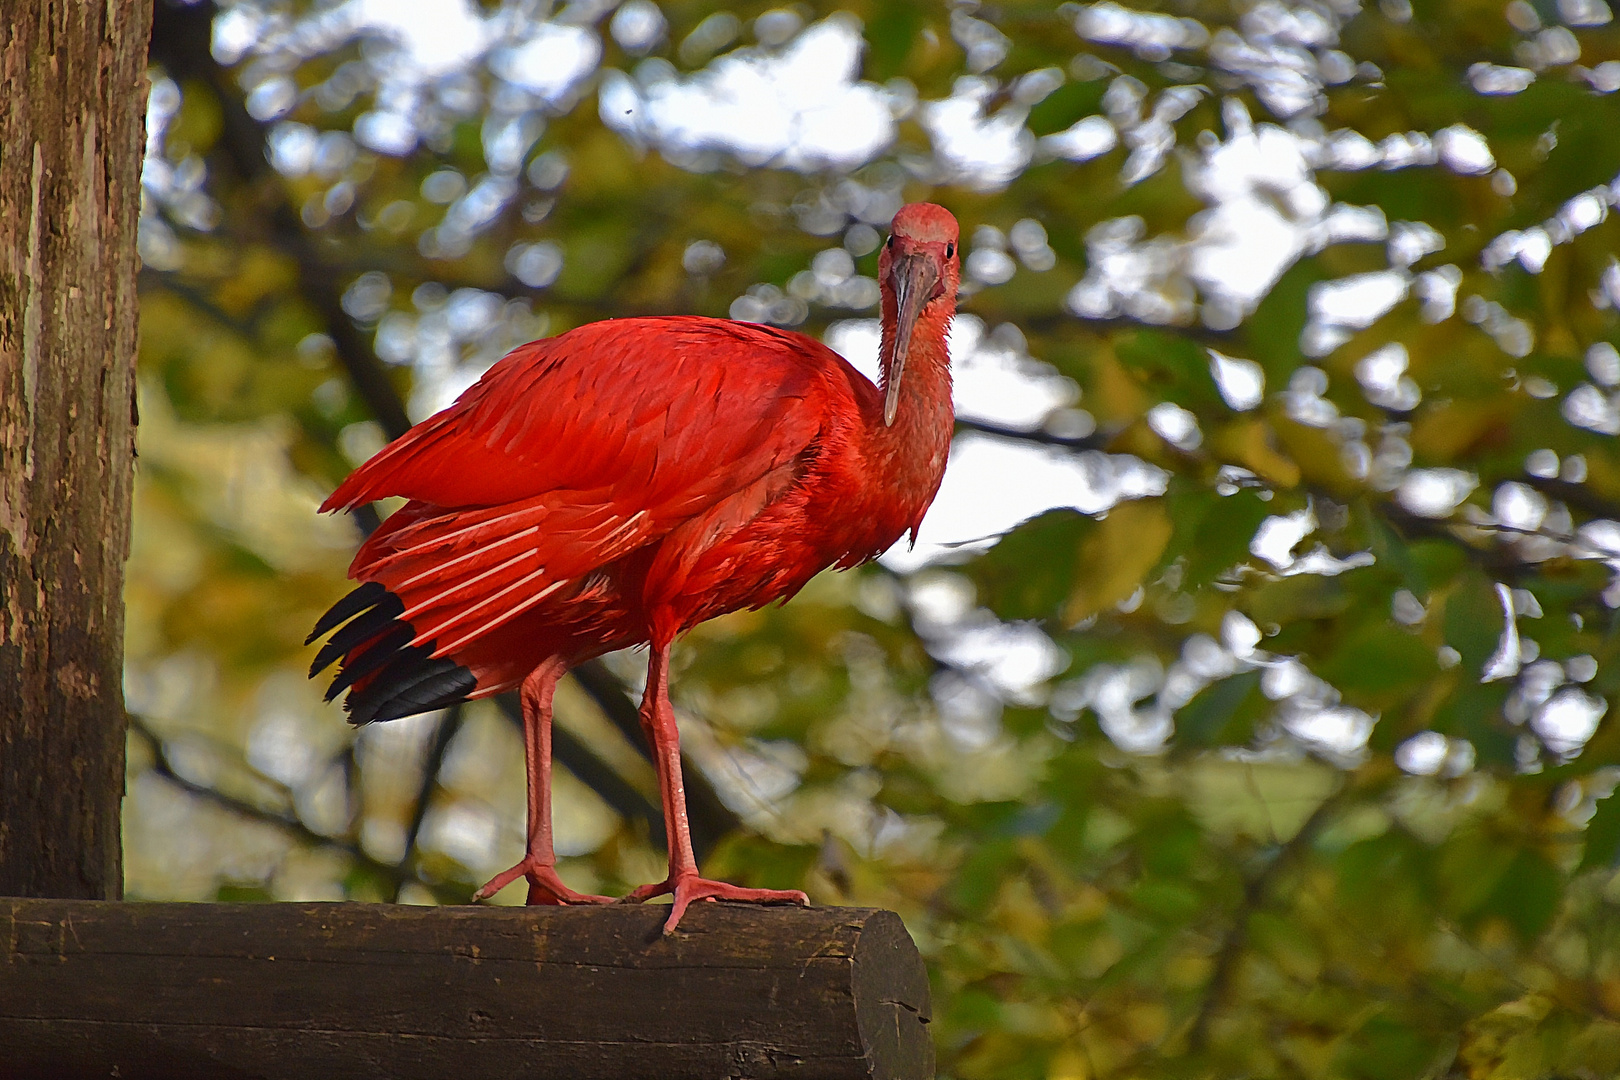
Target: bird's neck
x,y
909,455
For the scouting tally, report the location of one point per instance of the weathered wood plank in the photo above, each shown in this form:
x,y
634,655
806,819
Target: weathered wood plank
x,y
371,990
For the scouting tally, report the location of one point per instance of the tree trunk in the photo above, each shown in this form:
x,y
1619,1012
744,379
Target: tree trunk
x,y
71,139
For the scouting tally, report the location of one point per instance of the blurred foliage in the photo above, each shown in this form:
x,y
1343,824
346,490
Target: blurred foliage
x,y
1295,762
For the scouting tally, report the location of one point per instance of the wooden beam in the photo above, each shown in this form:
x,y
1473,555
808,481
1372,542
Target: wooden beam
x,y
90,988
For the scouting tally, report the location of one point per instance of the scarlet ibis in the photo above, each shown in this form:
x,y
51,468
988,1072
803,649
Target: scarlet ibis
x,y
620,483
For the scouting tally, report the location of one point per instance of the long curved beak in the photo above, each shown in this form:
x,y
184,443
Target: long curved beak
x,y
913,278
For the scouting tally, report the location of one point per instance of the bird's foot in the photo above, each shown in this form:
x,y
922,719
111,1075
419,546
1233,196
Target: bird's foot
x,y
545,887
687,888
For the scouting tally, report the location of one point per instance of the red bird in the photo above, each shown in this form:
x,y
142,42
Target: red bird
x,y
620,483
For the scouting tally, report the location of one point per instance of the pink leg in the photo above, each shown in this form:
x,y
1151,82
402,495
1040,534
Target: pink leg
x,y
540,864
658,720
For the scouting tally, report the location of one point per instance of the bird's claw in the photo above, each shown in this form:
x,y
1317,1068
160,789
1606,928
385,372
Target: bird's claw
x,y
545,887
687,888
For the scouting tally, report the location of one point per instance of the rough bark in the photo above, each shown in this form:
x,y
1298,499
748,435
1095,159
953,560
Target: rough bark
x,y
71,139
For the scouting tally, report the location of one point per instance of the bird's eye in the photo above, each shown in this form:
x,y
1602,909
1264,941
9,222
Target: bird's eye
x,y
950,250
889,243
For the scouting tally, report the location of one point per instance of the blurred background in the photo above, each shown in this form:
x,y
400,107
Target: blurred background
x,y
1244,706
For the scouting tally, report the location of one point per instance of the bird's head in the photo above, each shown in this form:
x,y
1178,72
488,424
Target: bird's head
x,y
918,268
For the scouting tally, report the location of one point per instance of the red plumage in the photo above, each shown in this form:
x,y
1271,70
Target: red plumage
x,y
622,482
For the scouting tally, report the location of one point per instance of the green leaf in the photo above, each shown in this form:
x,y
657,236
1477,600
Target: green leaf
x,y
1031,570
1602,836
1379,662
1527,895
1067,105
1473,711
1295,599
1224,713
1171,367
1272,333
1169,841
1384,1048
1212,531
980,876
890,37
1474,620
1167,900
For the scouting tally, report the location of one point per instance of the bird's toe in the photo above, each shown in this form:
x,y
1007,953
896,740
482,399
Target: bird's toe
x,y
689,889
545,887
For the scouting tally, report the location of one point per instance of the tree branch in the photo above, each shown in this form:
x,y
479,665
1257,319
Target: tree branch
x,y
182,42
1576,495
1097,440
395,874
1255,894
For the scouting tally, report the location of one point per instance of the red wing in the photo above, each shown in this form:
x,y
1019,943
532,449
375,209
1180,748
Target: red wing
x,y
668,415
462,573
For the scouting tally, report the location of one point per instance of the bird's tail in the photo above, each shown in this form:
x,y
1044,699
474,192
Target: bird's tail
x,y
387,677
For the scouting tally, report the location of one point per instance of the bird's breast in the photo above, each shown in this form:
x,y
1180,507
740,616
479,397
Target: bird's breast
x,y
849,497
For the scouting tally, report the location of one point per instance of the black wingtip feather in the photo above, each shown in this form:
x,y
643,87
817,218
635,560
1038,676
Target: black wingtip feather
x,y
367,594
410,684
445,686
374,647
359,630
383,653
362,704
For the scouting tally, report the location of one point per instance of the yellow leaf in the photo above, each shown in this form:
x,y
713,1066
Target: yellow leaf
x,y
1113,395
1115,558
1251,444
1316,452
1067,1063
1463,428
259,273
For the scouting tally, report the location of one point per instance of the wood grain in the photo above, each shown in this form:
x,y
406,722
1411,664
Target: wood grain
x,y
369,990
71,140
